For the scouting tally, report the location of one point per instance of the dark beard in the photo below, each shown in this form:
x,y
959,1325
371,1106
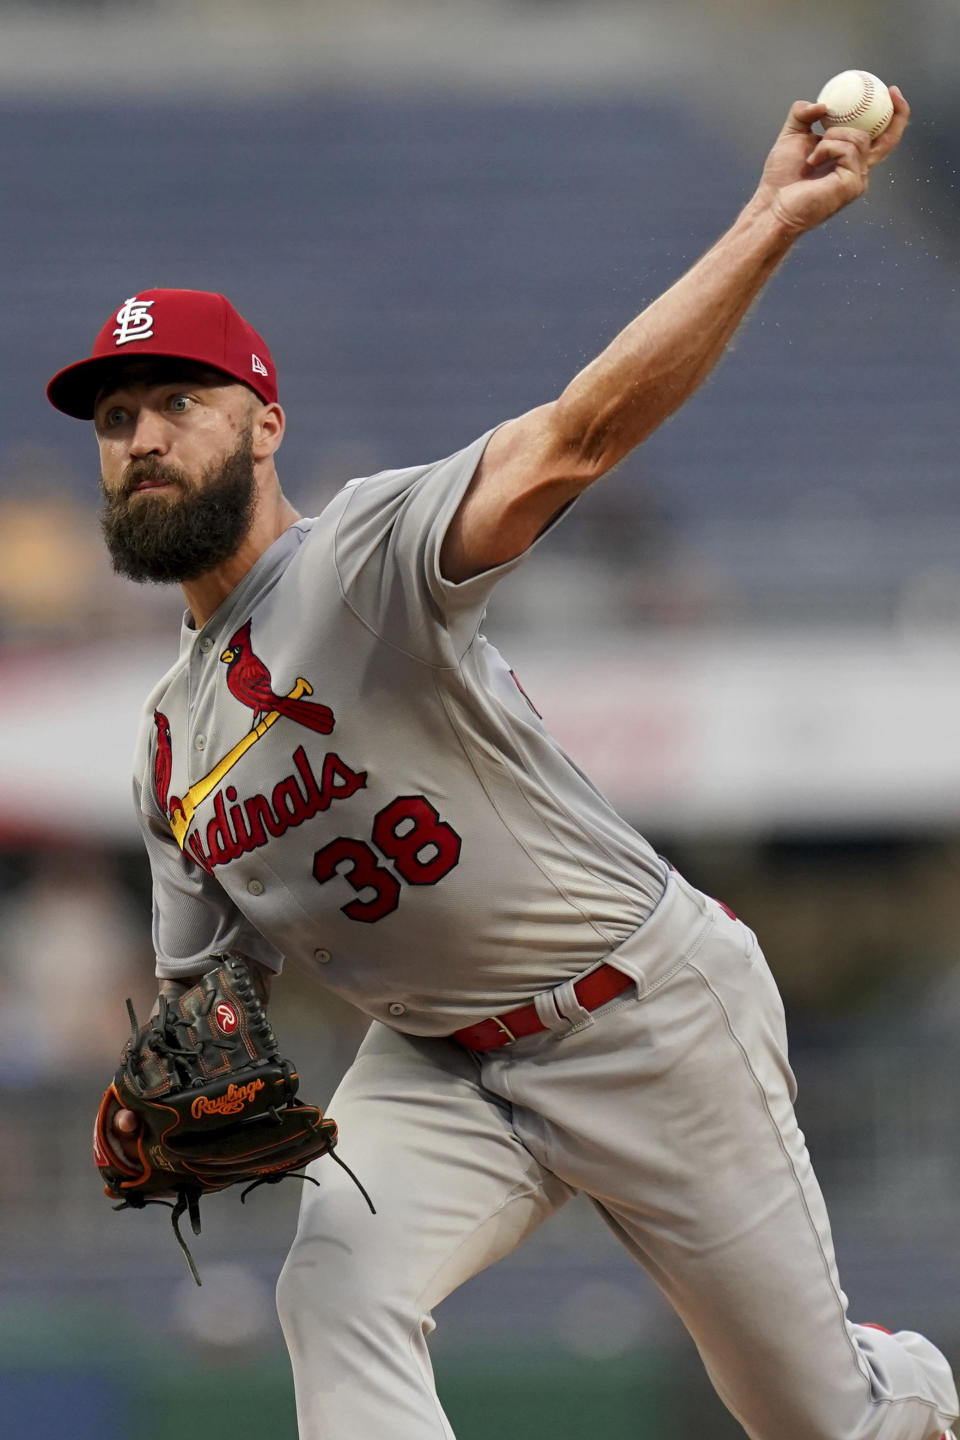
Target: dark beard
x,y
168,540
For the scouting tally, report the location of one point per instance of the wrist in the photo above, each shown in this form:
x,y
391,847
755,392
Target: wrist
x,y
765,213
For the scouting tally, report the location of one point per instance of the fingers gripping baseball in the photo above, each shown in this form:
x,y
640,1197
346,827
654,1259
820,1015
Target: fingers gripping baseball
x,y
809,177
124,1129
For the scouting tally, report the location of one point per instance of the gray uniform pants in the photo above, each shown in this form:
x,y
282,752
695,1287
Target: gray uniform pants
x,y
672,1108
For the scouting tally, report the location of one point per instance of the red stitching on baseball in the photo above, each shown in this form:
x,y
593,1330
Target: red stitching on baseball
x,y
866,99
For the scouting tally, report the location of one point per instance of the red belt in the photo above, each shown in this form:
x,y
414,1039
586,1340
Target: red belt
x,y
592,991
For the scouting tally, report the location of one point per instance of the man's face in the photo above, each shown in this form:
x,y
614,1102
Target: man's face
x,y
177,470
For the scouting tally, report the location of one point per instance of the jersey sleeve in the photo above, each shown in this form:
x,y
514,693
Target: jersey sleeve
x,y
388,543
193,917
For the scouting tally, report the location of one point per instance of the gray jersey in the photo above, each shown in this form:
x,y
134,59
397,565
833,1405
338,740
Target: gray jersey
x,y
341,770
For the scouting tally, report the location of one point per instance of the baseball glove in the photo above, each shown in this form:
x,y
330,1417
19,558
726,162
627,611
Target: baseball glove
x,y
217,1104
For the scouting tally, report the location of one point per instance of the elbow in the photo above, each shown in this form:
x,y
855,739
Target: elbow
x,y
588,444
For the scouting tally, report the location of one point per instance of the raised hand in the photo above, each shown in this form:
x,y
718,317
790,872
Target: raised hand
x,y
809,177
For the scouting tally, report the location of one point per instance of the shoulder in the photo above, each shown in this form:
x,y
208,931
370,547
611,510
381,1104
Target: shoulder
x,y
382,497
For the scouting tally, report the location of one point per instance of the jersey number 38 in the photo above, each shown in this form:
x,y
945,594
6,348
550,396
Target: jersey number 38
x,y
410,833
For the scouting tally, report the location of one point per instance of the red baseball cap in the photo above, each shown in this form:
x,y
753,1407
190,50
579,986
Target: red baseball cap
x,y
196,325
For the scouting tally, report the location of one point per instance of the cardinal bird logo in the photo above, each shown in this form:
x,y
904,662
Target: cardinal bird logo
x,y
249,681
163,760
163,767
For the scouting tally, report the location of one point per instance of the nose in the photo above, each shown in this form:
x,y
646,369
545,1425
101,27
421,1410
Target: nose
x,y
149,435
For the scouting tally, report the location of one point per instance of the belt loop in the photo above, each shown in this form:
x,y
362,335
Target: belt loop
x,y
565,999
560,1010
548,1012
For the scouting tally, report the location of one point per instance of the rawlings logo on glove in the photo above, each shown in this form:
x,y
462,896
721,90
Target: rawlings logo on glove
x,y
217,1104
230,1104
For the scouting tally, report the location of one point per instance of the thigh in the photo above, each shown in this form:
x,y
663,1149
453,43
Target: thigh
x,y
675,1114
454,1186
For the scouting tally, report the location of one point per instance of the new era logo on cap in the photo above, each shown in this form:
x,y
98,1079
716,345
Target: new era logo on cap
x,y
196,325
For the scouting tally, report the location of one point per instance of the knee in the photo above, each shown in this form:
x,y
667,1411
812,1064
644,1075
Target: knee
x,y
297,1286
320,1279
340,1282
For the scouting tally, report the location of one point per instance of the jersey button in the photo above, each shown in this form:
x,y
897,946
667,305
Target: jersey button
x,y
255,887
397,1009
206,644
322,957
200,743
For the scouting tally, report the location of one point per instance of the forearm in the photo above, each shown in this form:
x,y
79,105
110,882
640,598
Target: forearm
x,y
661,358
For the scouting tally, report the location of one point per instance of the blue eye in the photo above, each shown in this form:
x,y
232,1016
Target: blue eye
x,y
179,403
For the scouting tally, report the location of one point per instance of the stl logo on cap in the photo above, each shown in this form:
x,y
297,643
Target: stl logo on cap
x,y
134,321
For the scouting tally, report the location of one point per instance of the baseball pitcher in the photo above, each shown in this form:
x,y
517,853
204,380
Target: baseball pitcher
x,y
340,770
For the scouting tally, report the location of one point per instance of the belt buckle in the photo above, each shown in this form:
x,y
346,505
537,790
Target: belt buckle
x,y
505,1029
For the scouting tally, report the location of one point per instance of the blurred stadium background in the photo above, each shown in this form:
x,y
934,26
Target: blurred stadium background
x,y
436,211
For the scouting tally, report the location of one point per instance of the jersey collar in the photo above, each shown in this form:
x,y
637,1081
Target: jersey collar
x,y
264,573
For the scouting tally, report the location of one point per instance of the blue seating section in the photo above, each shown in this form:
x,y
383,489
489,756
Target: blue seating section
x,y
425,268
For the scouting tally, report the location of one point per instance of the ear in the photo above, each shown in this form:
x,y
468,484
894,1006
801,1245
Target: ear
x,y
268,425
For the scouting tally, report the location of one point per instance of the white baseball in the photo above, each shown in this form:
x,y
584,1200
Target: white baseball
x,y
858,99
